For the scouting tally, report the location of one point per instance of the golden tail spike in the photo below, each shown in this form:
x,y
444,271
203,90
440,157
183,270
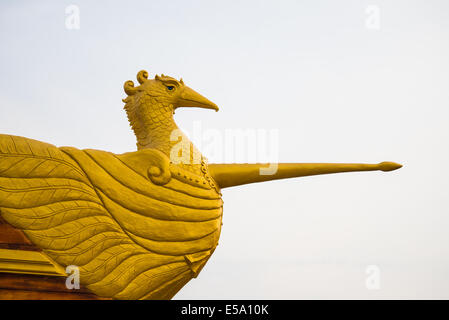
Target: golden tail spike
x,y
230,175
389,166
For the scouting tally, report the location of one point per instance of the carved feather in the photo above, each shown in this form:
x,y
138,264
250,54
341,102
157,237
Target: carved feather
x,y
137,226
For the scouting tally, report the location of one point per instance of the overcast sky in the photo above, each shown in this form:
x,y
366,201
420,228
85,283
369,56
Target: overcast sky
x,y
339,81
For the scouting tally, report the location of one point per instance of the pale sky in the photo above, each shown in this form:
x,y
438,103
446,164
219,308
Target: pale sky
x,y
340,81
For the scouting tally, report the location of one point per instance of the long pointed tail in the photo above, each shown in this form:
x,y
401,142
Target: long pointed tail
x,y
230,175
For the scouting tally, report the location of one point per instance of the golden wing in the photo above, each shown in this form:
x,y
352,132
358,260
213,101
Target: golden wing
x,y
137,226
